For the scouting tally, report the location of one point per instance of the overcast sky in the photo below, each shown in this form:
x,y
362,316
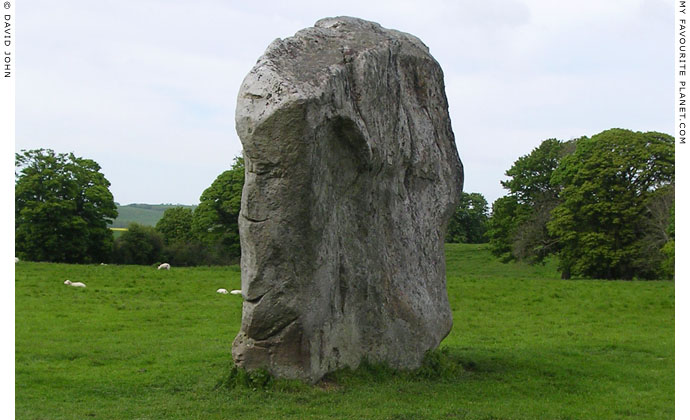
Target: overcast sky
x,y
148,88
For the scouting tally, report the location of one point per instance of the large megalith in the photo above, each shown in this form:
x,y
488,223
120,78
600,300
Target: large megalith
x,y
352,174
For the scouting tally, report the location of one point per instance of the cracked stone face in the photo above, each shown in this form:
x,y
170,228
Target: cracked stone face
x,y
352,174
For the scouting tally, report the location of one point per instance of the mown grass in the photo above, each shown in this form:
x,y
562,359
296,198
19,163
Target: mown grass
x,y
139,343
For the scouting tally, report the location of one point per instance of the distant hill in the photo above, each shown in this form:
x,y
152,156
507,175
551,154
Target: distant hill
x,y
144,214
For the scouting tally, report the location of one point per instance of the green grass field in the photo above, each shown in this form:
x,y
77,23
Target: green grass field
x,y
139,343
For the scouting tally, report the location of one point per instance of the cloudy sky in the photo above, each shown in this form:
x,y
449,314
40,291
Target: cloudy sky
x,y
148,88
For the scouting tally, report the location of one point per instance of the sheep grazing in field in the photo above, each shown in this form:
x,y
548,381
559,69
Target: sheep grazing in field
x,y
235,292
164,266
16,260
74,283
222,291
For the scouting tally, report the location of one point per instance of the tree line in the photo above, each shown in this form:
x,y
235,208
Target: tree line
x,y
207,235
63,206
603,206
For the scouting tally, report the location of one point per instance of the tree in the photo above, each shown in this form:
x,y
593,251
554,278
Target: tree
x,y
190,253
610,185
468,224
502,226
139,244
517,228
182,246
63,206
176,225
530,175
215,219
657,235
669,248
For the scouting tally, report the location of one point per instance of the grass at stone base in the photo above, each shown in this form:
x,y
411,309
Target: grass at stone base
x,y
139,343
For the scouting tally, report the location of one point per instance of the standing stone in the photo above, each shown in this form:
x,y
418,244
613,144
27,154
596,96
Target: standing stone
x,y
352,174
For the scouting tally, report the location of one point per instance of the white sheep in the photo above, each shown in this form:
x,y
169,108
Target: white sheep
x,y
165,266
16,260
222,291
235,292
74,283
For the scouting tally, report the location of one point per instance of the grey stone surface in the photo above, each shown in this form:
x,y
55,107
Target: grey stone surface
x,y
352,174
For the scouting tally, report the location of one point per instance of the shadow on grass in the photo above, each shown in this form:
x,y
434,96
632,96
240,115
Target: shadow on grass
x,y
560,373
441,365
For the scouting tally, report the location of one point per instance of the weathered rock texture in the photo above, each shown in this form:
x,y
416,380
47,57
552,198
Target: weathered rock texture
x,y
352,174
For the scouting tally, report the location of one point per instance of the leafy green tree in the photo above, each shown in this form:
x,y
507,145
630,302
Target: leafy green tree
x,y
609,184
517,228
669,248
192,253
656,240
63,206
182,247
139,244
215,219
468,224
176,225
530,176
502,226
